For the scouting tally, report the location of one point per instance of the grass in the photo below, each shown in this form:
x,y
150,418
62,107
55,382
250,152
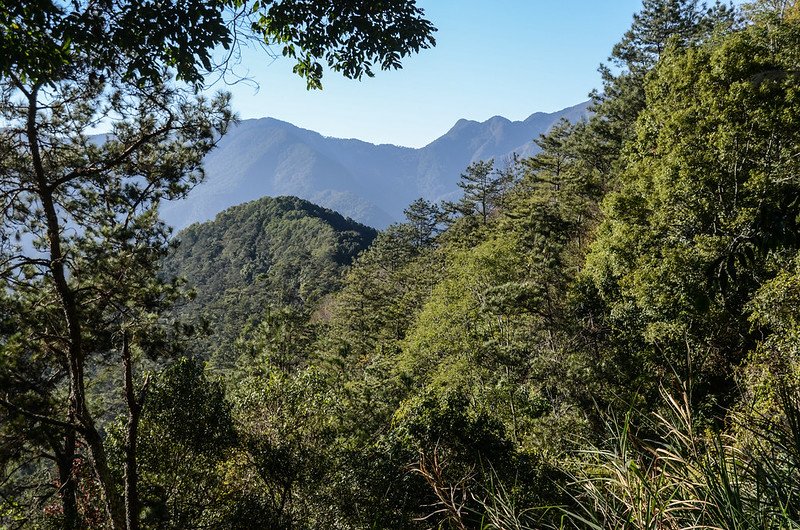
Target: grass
x,y
678,478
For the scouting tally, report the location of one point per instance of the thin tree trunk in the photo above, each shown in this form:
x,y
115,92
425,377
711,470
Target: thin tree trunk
x,y
75,357
131,478
65,458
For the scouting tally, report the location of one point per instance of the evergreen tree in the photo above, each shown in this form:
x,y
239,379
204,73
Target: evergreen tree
x,y
425,219
84,270
660,23
707,208
483,187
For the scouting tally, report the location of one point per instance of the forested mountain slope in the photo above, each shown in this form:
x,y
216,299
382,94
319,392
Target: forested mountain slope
x,y
369,183
604,337
268,253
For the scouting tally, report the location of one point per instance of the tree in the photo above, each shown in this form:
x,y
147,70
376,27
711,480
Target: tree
x,y
44,38
424,218
81,238
187,433
483,187
84,268
788,10
660,22
707,211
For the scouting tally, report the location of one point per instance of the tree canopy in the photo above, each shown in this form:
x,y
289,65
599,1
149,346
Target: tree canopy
x,y
46,40
603,335
82,242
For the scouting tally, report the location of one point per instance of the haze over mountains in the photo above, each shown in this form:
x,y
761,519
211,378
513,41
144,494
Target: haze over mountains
x,y
369,183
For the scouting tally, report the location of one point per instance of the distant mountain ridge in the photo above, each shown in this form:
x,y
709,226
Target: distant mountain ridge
x,y
369,183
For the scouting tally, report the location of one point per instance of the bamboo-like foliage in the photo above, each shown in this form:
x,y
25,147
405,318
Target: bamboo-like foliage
x,y
680,478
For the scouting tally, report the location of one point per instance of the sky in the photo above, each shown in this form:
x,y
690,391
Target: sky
x,y
492,57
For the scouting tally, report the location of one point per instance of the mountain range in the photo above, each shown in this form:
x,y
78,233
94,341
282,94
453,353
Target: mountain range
x,y
369,183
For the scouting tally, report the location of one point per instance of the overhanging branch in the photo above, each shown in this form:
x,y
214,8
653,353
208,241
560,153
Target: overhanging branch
x,y
40,417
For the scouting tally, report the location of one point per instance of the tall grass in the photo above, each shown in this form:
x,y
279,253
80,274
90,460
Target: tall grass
x,y
678,478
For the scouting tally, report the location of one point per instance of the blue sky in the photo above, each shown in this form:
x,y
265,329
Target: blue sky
x,y
493,57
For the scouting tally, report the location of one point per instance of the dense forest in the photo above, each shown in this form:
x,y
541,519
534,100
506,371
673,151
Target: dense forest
x,y
283,254
603,335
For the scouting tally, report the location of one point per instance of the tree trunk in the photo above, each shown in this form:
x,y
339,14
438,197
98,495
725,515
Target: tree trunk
x,y
114,506
131,478
65,458
77,391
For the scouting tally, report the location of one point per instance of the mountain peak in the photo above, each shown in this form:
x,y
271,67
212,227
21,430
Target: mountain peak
x,y
497,119
460,125
369,183
571,113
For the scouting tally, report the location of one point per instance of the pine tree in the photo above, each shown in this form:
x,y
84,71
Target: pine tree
x,y
425,218
482,186
81,238
660,23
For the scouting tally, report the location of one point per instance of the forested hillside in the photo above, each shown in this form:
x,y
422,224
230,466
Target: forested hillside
x,y
601,335
280,253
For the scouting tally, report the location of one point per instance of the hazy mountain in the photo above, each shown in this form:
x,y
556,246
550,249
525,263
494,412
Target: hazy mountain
x,y
369,183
